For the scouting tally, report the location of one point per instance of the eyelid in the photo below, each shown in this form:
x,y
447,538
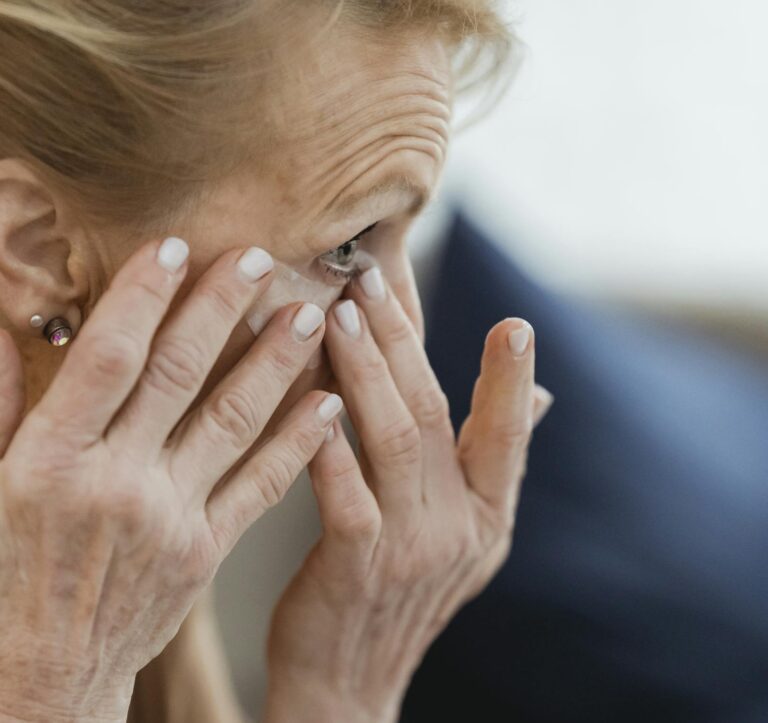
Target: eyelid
x,y
357,236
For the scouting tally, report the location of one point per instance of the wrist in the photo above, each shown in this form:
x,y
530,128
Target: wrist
x,y
296,700
55,692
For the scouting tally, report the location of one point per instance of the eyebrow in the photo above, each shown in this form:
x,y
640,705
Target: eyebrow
x,y
421,195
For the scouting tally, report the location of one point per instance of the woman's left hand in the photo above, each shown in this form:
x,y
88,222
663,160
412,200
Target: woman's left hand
x,y
412,531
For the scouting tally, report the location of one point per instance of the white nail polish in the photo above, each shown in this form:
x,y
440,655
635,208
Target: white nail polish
x,y
518,339
307,320
172,253
330,434
348,317
329,408
373,284
255,263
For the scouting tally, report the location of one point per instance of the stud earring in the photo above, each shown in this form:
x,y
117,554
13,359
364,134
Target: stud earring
x,y
57,330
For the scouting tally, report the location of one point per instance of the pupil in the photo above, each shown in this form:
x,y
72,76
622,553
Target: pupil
x,y
346,251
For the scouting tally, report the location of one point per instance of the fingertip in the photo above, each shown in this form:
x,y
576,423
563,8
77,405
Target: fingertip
x,y
519,336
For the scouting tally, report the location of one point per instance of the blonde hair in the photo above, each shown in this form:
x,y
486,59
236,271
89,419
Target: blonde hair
x,y
108,100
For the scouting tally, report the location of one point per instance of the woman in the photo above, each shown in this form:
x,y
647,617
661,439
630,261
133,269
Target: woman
x,y
175,179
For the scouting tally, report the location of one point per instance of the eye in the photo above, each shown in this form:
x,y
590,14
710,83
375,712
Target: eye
x,y
340,262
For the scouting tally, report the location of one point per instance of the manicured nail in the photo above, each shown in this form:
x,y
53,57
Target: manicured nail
x,y
330,434
348,317
172,253
518,339
255,263
329,408
373,283
307,320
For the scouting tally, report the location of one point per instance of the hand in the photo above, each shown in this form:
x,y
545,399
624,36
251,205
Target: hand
x,y
415,529
113,516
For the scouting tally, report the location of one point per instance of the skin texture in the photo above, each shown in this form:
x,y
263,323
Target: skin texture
x,y
361,136
364,111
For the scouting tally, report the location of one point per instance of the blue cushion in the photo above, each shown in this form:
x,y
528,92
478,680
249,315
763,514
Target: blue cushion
x,y
637,588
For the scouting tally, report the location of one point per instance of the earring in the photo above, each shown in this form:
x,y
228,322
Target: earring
x,y
57,330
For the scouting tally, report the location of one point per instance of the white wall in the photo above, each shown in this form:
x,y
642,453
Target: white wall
x,y
630,158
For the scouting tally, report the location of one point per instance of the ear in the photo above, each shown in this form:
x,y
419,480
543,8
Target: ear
x,y
36,252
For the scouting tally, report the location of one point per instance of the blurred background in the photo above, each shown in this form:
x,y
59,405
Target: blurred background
x,y
629,161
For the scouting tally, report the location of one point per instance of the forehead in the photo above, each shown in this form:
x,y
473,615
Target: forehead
x,y
359,109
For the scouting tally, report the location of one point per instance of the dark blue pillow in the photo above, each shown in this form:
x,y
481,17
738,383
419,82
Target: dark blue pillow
x,y
637,588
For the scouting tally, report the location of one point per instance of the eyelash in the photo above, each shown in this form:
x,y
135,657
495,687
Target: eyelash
x,y
354,270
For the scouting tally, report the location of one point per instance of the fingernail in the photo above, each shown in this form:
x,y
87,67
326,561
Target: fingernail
x,y
329,408
330,434
255,263
307,320
172,253
518,339
373,283
348,317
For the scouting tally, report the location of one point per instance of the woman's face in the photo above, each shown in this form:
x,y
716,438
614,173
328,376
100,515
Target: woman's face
x,y
365,139
365,142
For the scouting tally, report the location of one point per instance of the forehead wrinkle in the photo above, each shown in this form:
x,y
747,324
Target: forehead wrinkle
x,y
343,205
341,148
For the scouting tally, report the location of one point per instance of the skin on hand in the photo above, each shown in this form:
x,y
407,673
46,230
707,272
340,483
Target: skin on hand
x,y
369,108
113,516
411,532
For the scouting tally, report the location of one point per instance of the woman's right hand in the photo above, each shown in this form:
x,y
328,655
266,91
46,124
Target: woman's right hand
x,y
111,518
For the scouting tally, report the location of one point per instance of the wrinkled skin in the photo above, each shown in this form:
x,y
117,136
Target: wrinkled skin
x,y
369,107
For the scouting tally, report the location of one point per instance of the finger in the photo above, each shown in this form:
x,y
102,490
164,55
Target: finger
x,y
260,482
12,396
542,403
348,511
110,351
386,428
188,345
494,439
398,270
408,363
229,421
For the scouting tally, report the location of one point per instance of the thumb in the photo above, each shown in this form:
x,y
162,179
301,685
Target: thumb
x,y
12,396
348,509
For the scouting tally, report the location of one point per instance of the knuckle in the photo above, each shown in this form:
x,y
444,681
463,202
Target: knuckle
x,y
430,406
126,505
175,364
199,562
396,334
303,444
274,478
400,443
236,414
147,290
281,362
221,299
370,369
357,521
113,355
514,433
